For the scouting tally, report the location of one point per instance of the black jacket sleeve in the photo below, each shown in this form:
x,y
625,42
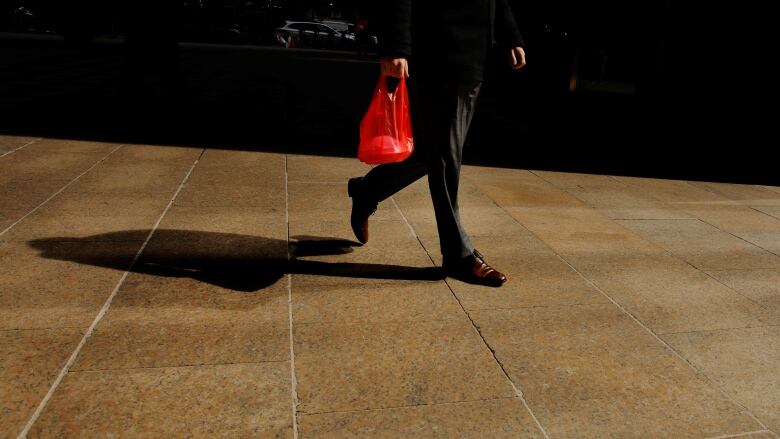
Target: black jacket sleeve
x,y
394,30
506,31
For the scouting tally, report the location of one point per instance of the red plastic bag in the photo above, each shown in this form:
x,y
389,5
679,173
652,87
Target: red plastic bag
x,y
386,128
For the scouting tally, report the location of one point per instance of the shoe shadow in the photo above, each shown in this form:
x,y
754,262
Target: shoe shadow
x,y
236,262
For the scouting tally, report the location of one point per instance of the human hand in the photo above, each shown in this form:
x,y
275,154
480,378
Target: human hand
x,y
517,58
395,67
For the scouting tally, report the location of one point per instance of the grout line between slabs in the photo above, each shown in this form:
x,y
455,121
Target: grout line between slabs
x,y
293,379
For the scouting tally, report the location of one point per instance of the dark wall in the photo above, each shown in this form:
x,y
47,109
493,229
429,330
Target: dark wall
x,y
651,88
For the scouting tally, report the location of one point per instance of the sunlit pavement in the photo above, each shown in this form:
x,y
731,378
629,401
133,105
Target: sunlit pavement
x,y
158,291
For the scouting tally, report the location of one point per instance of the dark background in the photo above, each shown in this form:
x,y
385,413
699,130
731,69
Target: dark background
x,y
657,88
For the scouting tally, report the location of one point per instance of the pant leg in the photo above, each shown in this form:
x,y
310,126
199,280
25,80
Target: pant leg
x,y
383,181
451,113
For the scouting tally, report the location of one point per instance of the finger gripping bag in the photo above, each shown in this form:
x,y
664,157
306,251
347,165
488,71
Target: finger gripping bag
x,y
386,128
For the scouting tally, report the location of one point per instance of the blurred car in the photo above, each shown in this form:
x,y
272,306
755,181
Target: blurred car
x,y
308,33
339,26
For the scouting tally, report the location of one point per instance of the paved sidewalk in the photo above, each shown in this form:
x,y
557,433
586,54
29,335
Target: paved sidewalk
x,y
154,291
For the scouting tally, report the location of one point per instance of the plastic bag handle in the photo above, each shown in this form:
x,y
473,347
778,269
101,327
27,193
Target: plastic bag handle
x,y
388,80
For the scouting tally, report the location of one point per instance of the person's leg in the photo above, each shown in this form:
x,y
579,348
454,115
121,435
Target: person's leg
x,y
451,117
385,180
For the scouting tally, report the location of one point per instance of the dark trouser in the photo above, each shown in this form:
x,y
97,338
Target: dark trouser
x,y
441,115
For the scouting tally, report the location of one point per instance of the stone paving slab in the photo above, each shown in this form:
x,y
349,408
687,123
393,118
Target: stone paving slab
x,y
498,418
230,400
157,291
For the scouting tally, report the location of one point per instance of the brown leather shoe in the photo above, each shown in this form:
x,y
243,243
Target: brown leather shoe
x,y
362,208
473,269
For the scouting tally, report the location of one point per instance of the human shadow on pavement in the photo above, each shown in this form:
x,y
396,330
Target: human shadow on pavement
x,y
233,261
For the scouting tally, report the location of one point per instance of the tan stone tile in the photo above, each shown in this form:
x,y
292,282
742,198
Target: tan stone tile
x,y
733,219
239,400
336,281
761,286
624,202
631,213
769,210
234,221
533,280
9,217
49,146
241,262
271,197
673,191
149,298
19,187
370,300
522,188
143,177
241,159
477,221
81,228
241,162
744,193
369,366
383,230
58,284
476,171
419,196
172,155
667,294
414,198
504,250
72,203
337,227
5,223
703,245
591,371
321,168
28,198
252,179
375,260
59,166
327,201
761,435
499,418
743,361
575,180
122,342
580,230
13,142
29,363
516,247
767,241
390,243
